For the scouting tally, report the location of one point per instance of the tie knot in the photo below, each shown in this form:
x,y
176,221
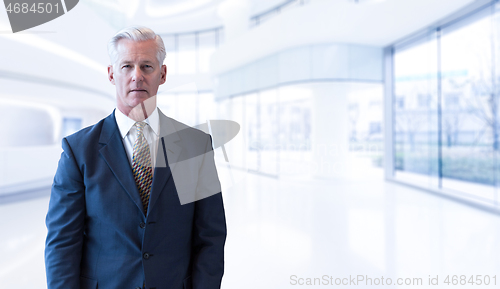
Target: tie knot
x,y
140,125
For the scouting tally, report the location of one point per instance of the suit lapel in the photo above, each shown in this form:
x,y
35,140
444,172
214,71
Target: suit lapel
x,y
115,156
169,150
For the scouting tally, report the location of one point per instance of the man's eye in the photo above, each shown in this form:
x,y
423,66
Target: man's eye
x,y
148,66
126,66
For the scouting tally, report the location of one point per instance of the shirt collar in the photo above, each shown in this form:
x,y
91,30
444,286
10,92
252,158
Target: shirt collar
x,y
125,123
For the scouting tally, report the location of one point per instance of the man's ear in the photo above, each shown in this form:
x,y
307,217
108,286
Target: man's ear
x,y
163,74
111,76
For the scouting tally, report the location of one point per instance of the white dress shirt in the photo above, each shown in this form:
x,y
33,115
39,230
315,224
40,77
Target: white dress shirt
x,y
129,133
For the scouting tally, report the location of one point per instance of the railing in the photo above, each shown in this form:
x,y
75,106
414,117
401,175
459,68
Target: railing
x,y
217,32
258,19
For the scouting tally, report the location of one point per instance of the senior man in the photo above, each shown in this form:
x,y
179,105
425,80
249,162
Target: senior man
x,y
136,201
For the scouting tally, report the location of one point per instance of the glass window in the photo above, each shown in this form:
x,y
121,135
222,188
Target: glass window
x,y
415,113
170,60
446,108
365,122
269,131
469,131
206,47
295,122
237,149
252,129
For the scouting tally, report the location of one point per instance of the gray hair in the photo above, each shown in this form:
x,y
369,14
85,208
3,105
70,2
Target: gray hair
x,y
136,33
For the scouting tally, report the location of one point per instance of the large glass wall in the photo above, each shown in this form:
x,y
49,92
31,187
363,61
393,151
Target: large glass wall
x,y
469,106
446,108
276,136
415,112
275,129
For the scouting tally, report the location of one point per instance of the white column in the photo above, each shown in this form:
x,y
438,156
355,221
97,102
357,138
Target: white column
x,y
330,131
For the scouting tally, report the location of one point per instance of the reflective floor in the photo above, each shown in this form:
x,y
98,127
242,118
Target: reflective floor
x,y
282,232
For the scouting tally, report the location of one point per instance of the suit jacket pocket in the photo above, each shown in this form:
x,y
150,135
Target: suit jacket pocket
x,y
87,283
187,283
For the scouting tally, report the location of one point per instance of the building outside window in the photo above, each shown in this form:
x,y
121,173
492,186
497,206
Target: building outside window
x,y
446,108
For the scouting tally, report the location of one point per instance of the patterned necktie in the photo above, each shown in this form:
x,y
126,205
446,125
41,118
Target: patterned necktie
x,y
141,165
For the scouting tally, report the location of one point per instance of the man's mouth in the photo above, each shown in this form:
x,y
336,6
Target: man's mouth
x,y
137,90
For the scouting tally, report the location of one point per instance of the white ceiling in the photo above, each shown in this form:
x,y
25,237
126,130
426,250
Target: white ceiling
x,y
171,16
373,23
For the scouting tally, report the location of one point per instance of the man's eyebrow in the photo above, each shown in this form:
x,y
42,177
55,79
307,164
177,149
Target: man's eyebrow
x,y
129,61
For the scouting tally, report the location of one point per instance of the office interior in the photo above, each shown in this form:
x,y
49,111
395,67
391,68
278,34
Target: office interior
x,y
369,139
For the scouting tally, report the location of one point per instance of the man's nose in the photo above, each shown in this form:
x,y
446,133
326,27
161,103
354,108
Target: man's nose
x,y
137,74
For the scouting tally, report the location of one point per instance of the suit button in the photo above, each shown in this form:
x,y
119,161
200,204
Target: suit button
x,y
142,225
146,256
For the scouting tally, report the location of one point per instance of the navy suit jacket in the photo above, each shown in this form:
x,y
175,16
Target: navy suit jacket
x,y
98,235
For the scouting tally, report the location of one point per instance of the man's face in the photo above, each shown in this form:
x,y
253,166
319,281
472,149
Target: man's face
x,y
136,73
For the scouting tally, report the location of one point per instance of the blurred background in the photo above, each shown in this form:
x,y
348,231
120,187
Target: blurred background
x,y
369,139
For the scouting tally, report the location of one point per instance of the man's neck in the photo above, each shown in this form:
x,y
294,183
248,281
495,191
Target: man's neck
x,y
141,111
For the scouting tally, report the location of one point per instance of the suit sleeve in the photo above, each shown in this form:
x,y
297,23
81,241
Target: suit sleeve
x,y
209,229
65,224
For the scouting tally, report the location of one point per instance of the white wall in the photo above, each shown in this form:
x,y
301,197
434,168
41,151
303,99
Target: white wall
x,y
320,62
